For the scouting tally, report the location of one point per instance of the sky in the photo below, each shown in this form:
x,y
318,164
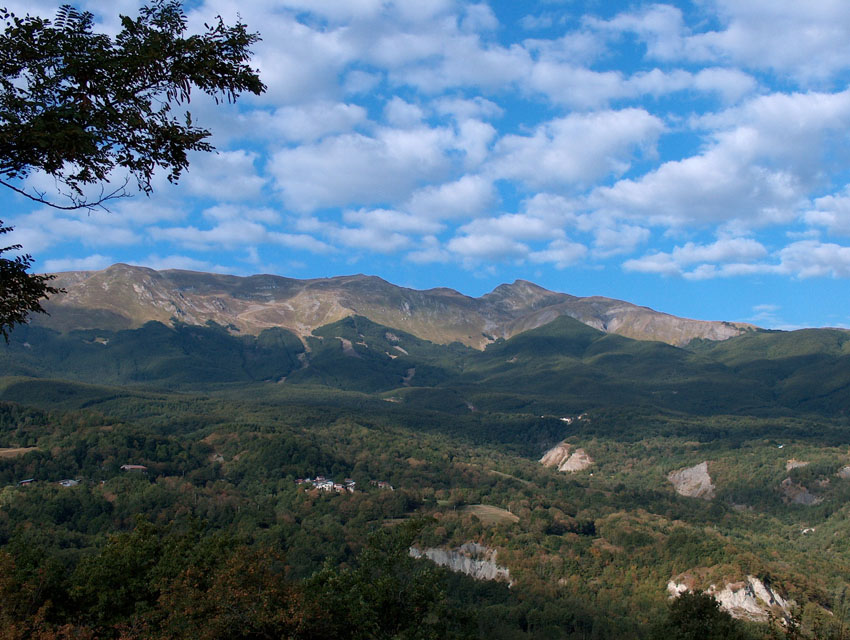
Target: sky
x,y
692,157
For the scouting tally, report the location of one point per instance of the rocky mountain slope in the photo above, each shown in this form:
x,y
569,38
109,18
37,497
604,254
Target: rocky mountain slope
x,y
123,297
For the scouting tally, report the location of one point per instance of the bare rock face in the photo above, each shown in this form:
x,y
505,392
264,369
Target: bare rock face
x,y
844,473
471,558
693,482
560,456
749,599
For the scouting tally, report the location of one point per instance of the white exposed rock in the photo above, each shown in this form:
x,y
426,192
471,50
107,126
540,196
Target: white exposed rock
x,y
578,461
793,463
844,473
473,559
693,482
560,456
750,599
555,455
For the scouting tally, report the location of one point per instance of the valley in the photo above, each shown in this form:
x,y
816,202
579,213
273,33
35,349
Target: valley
x,y
587,469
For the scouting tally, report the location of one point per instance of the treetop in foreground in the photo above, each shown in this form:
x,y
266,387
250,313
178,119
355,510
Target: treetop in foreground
x,y
82,106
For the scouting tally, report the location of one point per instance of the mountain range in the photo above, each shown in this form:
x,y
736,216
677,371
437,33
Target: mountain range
x,y
519,349
126,297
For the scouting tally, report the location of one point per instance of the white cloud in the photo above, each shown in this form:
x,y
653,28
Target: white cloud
x,y
612,239
390,221
402,114
661,27
369,238
356,169
234,234
832,212
736,255
583,88
762,159
476,108
512,225
562,253
186,263
576,149
94,262
479,17
229,212
812,258
807,41
226,175
308,122
810,41
468,196
430,251
486,247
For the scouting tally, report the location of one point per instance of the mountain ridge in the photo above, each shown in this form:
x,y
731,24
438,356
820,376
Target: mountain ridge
x,y
124,296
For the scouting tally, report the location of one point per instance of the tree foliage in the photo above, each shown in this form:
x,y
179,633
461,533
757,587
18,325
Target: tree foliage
x,y
20,292
79,105
83,107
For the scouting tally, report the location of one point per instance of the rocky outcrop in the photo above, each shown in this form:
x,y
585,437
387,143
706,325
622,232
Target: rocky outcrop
x,y
693,482
844,473
471,558
749,599
562,457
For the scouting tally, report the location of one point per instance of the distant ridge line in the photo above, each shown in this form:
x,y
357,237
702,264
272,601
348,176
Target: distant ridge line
x,y
123,296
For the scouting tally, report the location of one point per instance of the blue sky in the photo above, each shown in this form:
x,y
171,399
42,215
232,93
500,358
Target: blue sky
x,y
688,156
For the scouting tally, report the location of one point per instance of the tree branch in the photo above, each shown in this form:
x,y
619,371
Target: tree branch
x,y
76,203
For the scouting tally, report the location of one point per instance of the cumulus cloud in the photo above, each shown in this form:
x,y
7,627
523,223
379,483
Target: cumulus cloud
x,y
468,196
486,246
576,149
755,35
429,251
94,262
234,234
476,108
512,225
226,175
392,221
562,253
359,169
700,261
306,123
812,258
762,159
832,212
403,114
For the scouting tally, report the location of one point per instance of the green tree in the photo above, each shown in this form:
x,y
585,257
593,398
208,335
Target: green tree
x,y
20,292
77,105
698,616
84,107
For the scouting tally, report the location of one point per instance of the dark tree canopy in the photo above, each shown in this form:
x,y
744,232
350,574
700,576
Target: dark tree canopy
x,y
87,109
79,105
20,292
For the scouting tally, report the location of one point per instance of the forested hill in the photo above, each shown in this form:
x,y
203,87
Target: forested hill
x,y
562,367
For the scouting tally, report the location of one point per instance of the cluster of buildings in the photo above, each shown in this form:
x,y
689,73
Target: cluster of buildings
x,y
324,484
